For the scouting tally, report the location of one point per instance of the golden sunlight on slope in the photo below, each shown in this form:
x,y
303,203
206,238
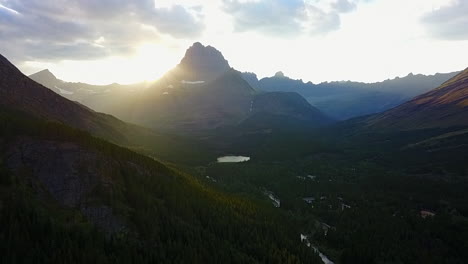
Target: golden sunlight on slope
x,y
445,106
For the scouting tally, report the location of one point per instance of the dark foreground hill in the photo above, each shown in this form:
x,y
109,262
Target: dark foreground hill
x,y
69,197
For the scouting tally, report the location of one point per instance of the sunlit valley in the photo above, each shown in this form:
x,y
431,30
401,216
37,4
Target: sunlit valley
x,y
207,159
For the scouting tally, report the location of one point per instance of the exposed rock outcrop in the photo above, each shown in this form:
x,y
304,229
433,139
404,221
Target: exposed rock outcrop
x,y
72,175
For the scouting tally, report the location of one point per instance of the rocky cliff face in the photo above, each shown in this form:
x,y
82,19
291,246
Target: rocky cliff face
x,y
72,175
202,63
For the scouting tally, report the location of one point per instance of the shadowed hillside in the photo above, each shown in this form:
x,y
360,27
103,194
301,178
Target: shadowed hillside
x,y
86,200
445,106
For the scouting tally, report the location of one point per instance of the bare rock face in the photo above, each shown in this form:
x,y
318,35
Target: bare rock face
x,y
70,174
203,63
200,63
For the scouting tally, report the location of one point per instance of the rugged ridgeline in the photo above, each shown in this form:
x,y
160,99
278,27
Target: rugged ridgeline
x,y
19,92
445,106
201,93
101,98
343,100
88,200
200,64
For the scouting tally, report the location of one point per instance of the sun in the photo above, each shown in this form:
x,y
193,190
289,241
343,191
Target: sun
x,y
148,62
152,61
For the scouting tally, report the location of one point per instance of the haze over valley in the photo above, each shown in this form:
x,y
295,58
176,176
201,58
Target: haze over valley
x,y
233,131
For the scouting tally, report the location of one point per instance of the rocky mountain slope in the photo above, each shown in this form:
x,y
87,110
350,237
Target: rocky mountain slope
x,y
445,106
22,94
288,104
203,92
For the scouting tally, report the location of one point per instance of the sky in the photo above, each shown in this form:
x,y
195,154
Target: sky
x,y
121,41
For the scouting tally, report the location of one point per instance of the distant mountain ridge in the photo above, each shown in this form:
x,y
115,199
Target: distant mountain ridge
x,y
97,97
445,106
161,103
344,100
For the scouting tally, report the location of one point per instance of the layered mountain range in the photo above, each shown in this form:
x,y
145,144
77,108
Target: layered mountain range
x,y
346,99
77,182
201,93
173,103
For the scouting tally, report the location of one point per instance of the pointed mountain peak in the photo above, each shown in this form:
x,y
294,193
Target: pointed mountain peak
x,y
46,78
199,55
202,63
280,74
197,45
44,74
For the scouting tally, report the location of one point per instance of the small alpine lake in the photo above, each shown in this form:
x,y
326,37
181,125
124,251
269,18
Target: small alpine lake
x,y
233,159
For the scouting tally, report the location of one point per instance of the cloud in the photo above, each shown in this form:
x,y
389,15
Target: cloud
x,y
320,22
448,22
276,16
59,29
344,6
177,20
288,17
